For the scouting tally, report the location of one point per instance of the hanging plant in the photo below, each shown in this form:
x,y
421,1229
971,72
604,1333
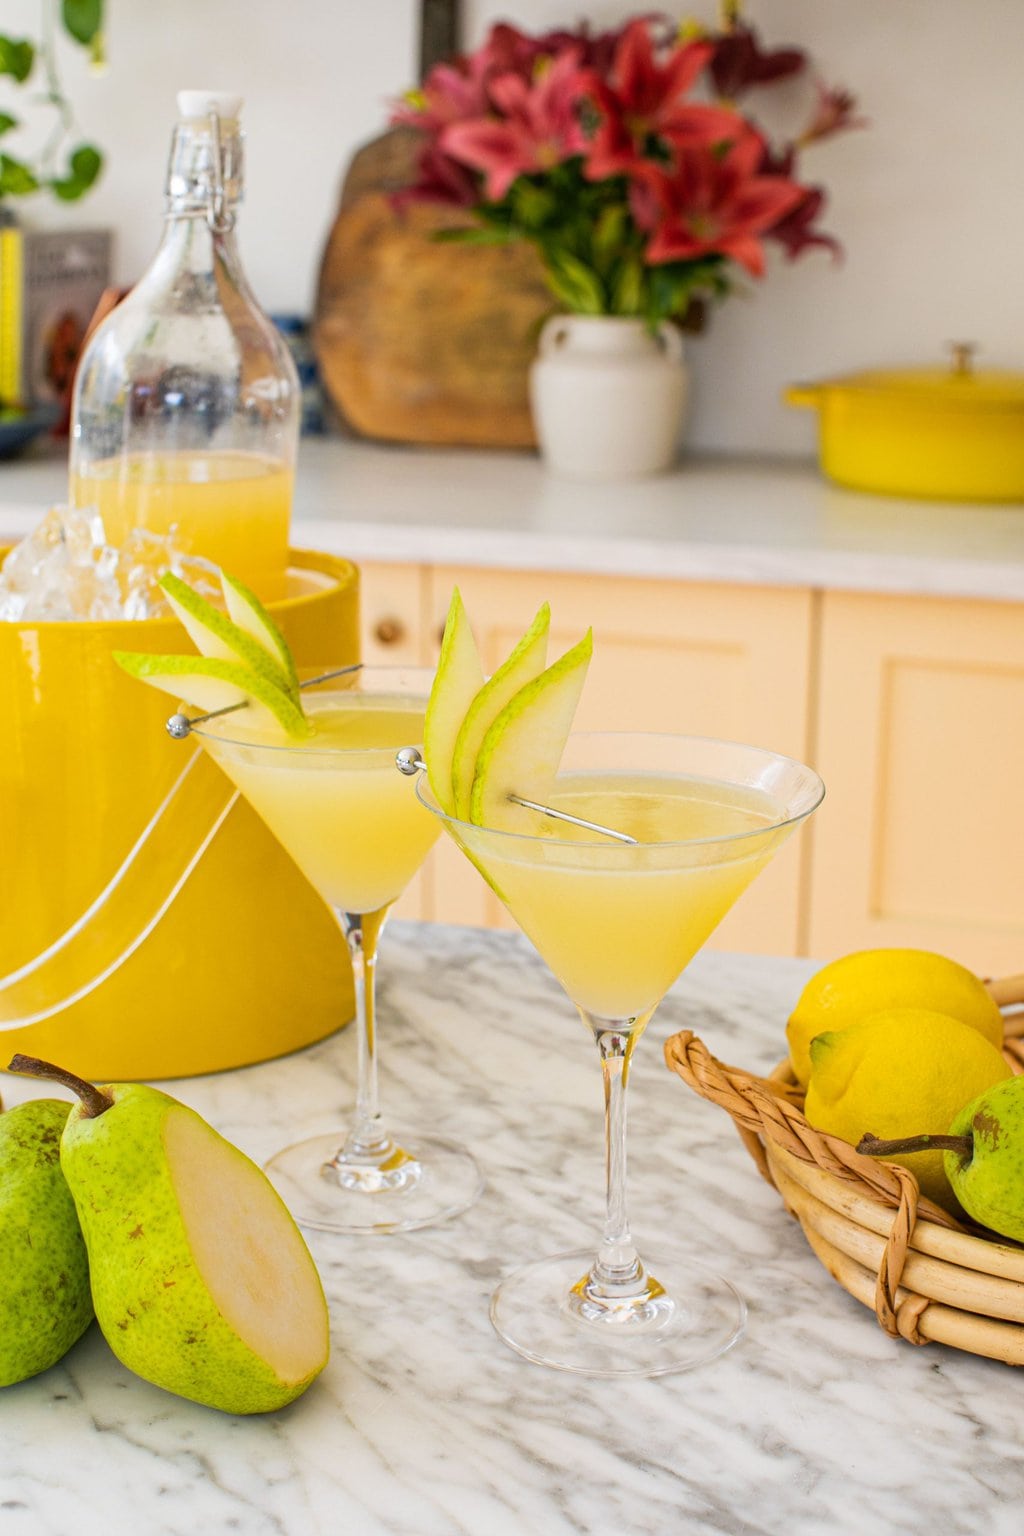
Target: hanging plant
x,y
61,166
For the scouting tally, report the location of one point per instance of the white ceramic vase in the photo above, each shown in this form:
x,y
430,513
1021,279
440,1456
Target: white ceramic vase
x,y
608,396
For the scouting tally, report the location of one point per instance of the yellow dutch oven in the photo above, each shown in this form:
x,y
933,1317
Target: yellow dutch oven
x,y
150,925
950,435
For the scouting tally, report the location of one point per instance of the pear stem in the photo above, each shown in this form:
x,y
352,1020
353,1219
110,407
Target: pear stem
x,y
93,1101
874,1147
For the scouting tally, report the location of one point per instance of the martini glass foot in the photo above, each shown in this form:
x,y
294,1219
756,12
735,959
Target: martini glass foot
x,y
426,1180
687,1317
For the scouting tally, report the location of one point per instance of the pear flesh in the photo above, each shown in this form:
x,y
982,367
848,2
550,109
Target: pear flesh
x,y
526,661
523,747
45,1305
457,681
201,1280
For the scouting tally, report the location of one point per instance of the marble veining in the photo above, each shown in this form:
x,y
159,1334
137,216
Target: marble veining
x,y
425,1424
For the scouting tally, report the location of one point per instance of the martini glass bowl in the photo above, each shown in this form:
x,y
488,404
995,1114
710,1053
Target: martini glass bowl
x,y
617,922
356,830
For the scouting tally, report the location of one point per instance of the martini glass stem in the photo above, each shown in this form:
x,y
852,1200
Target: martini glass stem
x,y
370,1160
617,1270
617,1291
367,1137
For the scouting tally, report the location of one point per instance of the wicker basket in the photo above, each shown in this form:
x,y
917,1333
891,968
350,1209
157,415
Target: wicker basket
x,y
926,1276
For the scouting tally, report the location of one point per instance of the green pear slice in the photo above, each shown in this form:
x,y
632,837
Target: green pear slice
x,y
246,610
458,680
526,662
214,634
210,682
201,1280
523,747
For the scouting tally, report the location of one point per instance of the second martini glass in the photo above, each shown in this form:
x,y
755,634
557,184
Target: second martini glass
x,y
358,833
617,921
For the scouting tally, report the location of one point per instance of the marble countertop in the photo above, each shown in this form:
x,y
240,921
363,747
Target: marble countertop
x,y
734,520
426,1424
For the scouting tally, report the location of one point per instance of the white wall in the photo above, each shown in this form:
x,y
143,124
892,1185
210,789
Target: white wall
x,y
929,202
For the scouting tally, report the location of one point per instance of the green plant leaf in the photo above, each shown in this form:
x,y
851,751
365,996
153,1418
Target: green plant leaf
x,y
7,122
84,166
17,57
574,283
83,19
628,287
16,178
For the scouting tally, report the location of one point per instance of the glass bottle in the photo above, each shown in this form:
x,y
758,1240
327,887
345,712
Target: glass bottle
x,y
186,405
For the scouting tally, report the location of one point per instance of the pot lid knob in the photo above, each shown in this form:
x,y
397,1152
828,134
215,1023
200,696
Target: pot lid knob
x,y
962,357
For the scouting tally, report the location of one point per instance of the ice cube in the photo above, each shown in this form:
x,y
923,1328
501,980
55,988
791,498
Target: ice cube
x,y
66,570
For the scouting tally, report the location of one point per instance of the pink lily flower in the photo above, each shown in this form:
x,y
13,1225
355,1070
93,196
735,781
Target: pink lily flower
x,y
538,128
642,98
716,206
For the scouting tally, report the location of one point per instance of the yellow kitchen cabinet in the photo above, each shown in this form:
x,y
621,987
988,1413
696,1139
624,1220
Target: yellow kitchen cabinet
x,y
920,840
702,658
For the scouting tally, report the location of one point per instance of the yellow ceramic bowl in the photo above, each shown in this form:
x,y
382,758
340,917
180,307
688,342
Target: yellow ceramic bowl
x,y
953,435
243,962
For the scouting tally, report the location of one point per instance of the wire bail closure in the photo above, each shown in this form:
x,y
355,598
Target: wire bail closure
x,y
219,216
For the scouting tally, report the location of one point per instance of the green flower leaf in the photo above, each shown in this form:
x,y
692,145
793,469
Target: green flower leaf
x,y
577,286
16,178
84,166
7,122
83,19
17,57
628,289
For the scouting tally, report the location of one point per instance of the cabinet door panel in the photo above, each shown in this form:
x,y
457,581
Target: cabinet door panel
x,y
921,839
702,659
391,610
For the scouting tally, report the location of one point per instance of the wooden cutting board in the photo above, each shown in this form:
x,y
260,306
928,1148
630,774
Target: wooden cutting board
x,y
419,341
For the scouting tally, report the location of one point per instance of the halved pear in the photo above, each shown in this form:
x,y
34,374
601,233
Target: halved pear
x,y
525,663
201,1281
523,747
246,610
210,682
214,634
458,680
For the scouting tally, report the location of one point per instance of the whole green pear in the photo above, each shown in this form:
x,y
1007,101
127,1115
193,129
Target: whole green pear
x,y
45,1305
986,1169
201,1281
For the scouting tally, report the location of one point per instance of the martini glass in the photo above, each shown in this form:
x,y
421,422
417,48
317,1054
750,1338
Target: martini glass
x,y
617,922
356,830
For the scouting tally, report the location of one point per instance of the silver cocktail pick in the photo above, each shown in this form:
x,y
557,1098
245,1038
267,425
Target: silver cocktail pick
x,y
180,725
408,761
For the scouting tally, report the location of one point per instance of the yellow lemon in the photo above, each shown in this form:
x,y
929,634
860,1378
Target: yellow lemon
x,y
870,980
904,1072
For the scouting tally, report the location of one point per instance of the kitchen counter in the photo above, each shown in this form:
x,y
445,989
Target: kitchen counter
x,y
774,523
426,1424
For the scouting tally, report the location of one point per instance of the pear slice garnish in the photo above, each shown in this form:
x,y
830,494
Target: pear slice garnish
x,y
246,610
215,635
211,682
458,680
526,662
524,744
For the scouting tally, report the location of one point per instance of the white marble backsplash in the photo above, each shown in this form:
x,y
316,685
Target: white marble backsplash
x,y
426,1424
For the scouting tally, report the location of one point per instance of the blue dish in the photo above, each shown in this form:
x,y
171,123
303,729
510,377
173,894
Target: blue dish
x,y
19,426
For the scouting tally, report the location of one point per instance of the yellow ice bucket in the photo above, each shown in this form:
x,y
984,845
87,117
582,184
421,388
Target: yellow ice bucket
x,y
150,925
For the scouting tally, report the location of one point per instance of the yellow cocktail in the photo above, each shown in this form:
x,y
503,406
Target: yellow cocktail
x,y
617,914
355,828
232,508
347,819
